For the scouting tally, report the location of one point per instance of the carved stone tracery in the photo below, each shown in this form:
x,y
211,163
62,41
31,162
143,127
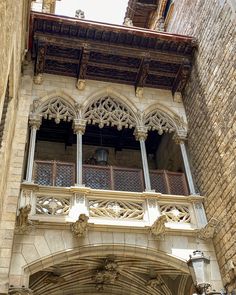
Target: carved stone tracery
x,y
58,109
159,121
108,112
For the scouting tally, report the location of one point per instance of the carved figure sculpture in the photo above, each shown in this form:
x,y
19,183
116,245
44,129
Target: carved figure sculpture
x,y
80,227
20,291
158,227
209,230
22,218
107,274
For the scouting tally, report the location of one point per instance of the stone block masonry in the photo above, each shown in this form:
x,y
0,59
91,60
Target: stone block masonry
x,y
210,102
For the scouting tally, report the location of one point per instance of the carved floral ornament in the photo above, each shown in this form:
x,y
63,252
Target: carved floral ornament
x,y
108,111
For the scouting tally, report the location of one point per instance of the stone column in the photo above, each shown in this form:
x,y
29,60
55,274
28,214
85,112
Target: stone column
x,y
79,126
180,140
141,135
34,126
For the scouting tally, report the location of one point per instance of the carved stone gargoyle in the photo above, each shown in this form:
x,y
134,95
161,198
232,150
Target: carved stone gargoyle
x,y
80,227
20,291
230,280
209,230
158,228
23,224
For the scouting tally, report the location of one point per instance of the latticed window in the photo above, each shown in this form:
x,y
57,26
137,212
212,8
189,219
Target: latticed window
x,y
4,114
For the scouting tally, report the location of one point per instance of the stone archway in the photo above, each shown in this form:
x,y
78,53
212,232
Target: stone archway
x,y
111,269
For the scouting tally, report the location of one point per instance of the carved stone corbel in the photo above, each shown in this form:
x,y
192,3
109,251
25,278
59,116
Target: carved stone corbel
x,y
80,85
80,227
139,92
158,228
23,224
154,283
209,230
20,291
230,279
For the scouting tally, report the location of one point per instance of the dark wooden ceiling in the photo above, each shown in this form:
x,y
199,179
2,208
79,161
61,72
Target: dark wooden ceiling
x,y
90,50
140,11
95,136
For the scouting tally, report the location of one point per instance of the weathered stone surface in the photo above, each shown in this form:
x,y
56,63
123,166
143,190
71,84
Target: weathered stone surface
x,y
210,101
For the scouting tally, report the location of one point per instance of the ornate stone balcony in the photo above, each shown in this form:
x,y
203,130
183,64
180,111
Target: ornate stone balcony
x,y
115,208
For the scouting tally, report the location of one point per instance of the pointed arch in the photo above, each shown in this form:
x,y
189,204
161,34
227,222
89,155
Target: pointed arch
x,y
108,108
161,119
58,106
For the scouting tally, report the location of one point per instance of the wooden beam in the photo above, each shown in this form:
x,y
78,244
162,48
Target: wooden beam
x,y
142,73
182,77
157,55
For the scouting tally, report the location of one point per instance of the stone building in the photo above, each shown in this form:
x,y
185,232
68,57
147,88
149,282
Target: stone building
x,y
98,123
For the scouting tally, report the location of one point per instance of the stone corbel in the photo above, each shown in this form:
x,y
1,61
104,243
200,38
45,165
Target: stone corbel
x,y
23,224
177,97
209,230
80,85
80,227
230,279
158,228
20,291
139,92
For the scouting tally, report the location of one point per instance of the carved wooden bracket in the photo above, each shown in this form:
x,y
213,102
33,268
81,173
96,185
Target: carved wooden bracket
x,y
142,73
83,67
182,77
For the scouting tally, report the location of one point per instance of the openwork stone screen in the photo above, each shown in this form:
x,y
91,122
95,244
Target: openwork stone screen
x,y
109,112
57,109
47,205
176,213
159,121
116,209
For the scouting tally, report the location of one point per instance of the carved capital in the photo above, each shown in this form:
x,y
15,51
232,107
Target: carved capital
x,y
35,121
208,231
80,227
79,126
141,133
80,85
180,136
20,291
158,228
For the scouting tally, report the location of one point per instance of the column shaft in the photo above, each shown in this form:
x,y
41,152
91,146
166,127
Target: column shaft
x,y
30,161
79,159
187,168
145,165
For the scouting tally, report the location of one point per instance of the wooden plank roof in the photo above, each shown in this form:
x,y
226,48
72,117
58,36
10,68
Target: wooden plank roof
x,y
92,50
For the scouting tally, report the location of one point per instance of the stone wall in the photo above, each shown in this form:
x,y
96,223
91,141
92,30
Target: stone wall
x,y
210,102
13,33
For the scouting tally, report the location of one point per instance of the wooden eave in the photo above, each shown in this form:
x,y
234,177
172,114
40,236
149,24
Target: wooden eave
x,y
99,51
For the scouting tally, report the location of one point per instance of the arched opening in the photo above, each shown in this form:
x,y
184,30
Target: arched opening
x,y
112,153
113,271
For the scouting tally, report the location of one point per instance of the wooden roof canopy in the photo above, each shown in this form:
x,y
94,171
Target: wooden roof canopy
x,y
98,51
